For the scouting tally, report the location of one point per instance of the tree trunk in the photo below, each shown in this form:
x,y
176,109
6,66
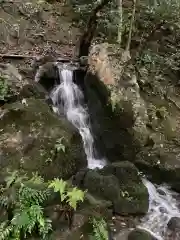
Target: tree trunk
x,y
131,26
120,13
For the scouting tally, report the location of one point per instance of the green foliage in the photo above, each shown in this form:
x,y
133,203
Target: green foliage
x,y
75,196
5,230
59,146
68,195
24,203
100,231
59,186
4,89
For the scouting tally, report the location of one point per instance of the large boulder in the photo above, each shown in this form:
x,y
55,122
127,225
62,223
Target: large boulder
x,y
118,183
116,108
134,195
32,139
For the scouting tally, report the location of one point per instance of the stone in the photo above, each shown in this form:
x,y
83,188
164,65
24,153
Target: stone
x,y
116,108
140,234
161,165
118,183
174,224
29,135
134,195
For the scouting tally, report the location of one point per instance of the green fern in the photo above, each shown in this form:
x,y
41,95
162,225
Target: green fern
x,y
75,196
29,196
100,229
59,186
70,196
36,178
14,178
26,198
5,230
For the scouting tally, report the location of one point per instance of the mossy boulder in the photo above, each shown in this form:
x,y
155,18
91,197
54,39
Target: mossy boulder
x,y
140,234
31,140
133,194
118,183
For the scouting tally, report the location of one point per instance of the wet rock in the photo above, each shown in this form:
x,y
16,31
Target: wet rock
x,y
174,224
30,133
118,183
140,234
161,165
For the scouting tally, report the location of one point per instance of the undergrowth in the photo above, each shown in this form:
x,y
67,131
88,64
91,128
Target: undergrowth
x,y
24,201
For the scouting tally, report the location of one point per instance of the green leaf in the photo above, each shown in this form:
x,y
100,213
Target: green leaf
x,y
20,219
59,145
59,186
75,196
11,178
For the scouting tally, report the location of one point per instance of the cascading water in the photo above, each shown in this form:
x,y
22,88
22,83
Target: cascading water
x,y
163,205
71,96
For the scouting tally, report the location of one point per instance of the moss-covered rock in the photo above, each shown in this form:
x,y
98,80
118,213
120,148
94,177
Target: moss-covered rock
x,y
118,183
31,139
133,194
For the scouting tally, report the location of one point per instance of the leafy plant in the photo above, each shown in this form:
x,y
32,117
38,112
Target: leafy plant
x,y
4,89
69,198
100,231
59,146
22,199
68,195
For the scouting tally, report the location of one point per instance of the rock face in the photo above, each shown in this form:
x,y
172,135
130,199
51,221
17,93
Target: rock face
x,y
117,112
118,183
139,234
133,117
31,139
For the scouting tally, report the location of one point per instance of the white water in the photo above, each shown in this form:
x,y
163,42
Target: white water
x,y
71,96
163,205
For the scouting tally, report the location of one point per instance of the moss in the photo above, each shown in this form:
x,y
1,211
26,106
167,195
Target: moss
x,y
120,184
29,136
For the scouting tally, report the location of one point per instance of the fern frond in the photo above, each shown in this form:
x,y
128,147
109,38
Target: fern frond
x,y
30,196
36,178
4,201
14,178
100,229
5,230
59,186
75,196
44,230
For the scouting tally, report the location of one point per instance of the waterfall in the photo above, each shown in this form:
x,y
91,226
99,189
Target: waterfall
x,y
69,96
163,205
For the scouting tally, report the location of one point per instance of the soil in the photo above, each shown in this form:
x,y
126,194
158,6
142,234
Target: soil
x,y
33,28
